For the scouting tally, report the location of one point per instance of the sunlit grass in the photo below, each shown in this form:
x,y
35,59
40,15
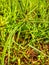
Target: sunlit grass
x,y
23,24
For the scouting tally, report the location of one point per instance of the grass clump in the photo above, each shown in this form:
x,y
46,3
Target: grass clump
x,y
24,32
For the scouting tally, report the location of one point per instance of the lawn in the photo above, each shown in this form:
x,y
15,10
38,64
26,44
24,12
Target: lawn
x,y
24,32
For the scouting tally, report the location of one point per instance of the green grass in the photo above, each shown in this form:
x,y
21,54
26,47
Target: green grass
x,y
23,25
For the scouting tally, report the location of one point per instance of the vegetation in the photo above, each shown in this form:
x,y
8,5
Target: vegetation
x,y
24,32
